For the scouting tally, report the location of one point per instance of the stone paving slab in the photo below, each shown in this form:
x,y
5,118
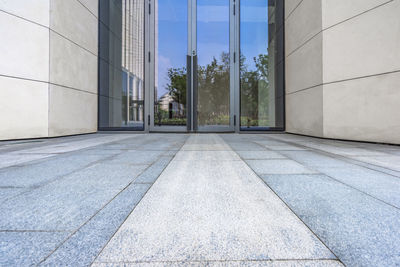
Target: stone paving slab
x,y
361,230
51,149
84,245
27,248
136,157
348,196
265,154
38,173
390,162
278,166
290,263
209,211
7,193
205,155
151,173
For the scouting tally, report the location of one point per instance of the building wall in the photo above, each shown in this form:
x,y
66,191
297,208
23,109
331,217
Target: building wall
x,y
343,69
48,70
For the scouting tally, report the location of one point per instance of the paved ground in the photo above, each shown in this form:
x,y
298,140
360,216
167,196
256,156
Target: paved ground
x,y
199,200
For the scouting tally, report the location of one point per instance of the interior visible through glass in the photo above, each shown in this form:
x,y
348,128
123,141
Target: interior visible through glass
x,y
170,62
213,62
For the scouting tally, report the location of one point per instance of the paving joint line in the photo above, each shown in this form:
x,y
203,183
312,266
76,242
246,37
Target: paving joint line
x,y
102,208
341,182
342,158
286,204
119,227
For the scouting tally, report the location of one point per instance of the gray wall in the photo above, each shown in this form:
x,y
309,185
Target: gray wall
x,y
343,69
48,70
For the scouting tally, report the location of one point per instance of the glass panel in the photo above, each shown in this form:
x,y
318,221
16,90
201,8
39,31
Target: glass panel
x,y
213,62
121,64
258,92
170,62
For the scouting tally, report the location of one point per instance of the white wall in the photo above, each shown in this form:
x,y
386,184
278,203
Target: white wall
x,y
48,69
343,69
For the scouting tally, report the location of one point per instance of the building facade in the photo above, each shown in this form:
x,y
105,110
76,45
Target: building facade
x,y
324,68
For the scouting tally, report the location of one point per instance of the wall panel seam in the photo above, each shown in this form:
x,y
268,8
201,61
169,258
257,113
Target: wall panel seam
x,y
344,80
334,25
86,8
291,12
25,19
75,43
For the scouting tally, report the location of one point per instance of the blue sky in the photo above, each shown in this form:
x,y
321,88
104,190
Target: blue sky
x,y
212,32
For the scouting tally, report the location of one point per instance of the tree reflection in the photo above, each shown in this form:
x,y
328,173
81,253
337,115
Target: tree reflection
x,y
213,94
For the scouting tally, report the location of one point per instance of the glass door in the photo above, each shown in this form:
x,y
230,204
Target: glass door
x,y
213,94
191,70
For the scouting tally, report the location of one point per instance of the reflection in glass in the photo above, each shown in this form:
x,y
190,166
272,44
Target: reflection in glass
x,y
213,62
121,60
170,62
257,63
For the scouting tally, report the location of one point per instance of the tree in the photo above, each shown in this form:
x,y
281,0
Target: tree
x,y
177,84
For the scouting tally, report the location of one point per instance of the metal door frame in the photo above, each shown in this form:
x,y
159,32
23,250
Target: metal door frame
x,y
150,11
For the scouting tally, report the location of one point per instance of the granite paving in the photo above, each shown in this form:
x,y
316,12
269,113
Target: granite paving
x,y
123,199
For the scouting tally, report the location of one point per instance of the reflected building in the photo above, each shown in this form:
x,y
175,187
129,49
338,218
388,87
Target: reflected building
x,y
121,66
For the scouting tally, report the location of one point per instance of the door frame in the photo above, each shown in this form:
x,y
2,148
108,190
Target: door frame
x,y
191,103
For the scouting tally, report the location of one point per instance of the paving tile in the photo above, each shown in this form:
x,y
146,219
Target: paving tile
x,y
136,157
343,150
315,159
7,160
278,166
27,248
211,147
208,210
284,147
33,175
99,151
61,205
206,155
360,230
83,246
246,146
265,154
151,174
380,185
75,145
283,263
390,162
6,193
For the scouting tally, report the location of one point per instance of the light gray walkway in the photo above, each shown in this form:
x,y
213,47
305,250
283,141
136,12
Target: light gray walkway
x,y
196,200
209,206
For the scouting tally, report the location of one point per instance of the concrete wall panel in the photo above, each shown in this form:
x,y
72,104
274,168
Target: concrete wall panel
x,y
365,45
24,48
304,66
23,108
363,109
71,111
92,5
72,66
290,6
33,10
359,94
304,23
336,11
73,20
304,112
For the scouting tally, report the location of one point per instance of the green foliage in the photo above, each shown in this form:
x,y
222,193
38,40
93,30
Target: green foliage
x,y
254,88
177,84
213,95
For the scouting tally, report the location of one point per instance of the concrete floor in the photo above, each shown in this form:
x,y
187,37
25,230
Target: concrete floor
x,y
199,200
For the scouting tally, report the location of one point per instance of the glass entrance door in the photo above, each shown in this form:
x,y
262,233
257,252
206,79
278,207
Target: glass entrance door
x,y
192,66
